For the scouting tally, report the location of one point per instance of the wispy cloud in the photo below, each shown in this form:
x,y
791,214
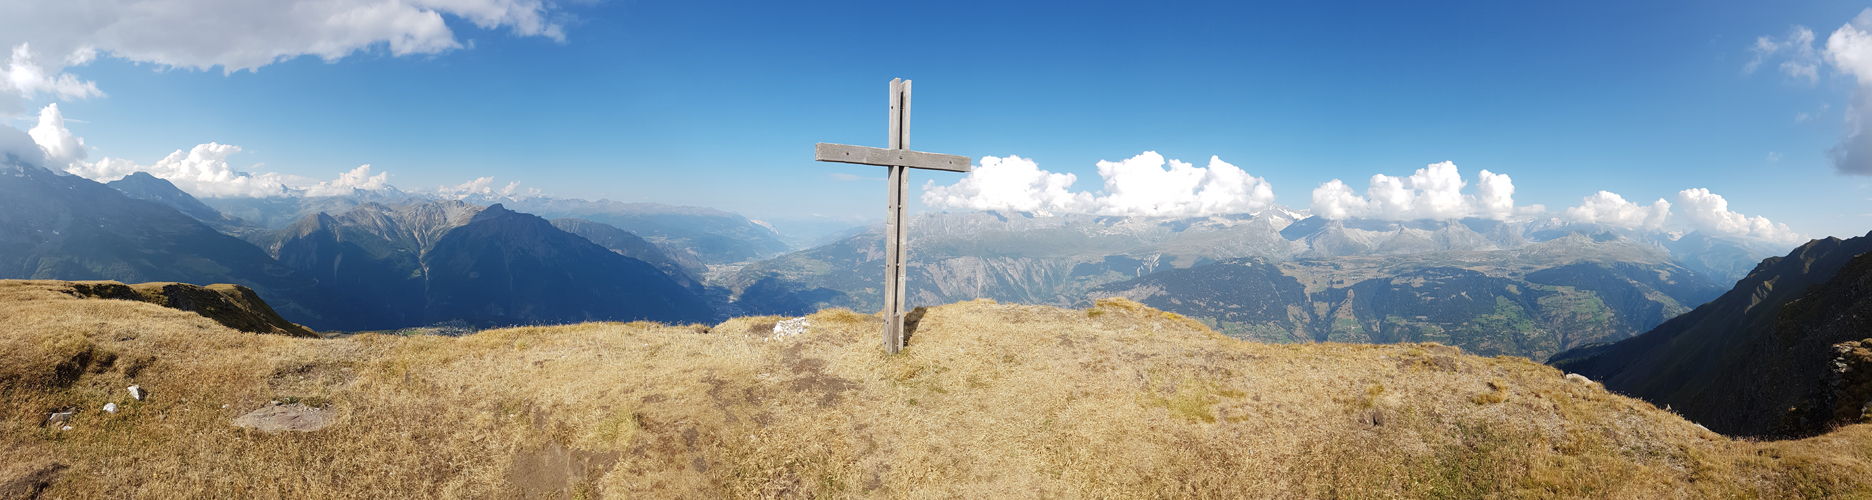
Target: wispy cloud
x,y
1848,50
1802,61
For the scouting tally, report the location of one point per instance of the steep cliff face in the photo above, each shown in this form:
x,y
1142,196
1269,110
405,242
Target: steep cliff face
x,y
1843,396
1740,363
1814,335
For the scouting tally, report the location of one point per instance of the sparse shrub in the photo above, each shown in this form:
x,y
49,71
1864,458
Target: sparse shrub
x,y
1487,398
618,428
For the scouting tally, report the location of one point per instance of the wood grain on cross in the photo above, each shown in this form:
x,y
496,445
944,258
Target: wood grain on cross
x,y
900,159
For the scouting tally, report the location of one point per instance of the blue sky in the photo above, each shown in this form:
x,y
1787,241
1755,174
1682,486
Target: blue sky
x,y
718,103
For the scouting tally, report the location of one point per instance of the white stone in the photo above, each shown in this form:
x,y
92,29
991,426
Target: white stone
x,y
788,328
110,407
136,391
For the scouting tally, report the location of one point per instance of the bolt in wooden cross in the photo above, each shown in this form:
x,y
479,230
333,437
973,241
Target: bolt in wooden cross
x,y
900,159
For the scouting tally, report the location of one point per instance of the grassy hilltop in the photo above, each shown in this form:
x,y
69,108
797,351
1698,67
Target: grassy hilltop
x,y
989,401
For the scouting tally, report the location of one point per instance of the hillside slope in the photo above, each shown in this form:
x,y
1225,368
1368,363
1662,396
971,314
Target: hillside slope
x,y
706,235
988,401
681,267
508,268
143,186
1740,362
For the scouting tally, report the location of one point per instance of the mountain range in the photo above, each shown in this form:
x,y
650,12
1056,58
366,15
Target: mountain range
x,y
442,261
374,265
1768,358
64,227
1529,288
1532,301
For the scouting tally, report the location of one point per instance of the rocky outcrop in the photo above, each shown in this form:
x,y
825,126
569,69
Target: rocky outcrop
x,y
233,306
1844,396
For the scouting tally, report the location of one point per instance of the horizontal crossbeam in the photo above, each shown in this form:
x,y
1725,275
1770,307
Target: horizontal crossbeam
x,y
862,155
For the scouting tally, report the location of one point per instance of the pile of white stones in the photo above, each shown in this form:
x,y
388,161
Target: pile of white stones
x,y
789,327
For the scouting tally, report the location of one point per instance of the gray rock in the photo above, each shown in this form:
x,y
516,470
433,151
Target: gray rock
x,y
293,417
60,418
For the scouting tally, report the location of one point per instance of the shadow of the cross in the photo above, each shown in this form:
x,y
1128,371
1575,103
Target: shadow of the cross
x,y
911,320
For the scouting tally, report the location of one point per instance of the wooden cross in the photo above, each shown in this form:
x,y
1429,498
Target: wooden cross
x,y
900,159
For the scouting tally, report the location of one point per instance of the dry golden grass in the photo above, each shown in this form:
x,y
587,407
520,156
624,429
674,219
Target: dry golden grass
x,y
989,401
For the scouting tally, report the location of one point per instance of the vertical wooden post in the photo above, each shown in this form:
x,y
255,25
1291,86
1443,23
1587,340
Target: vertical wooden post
x,y
900,159
894,222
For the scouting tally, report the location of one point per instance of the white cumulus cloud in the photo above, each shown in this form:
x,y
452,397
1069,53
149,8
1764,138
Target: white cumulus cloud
x,y
1709,212
1494,195
1432,192
202,171
347,183
1012,183
62,149
27,79
1849,49
48,36
1141,185
482,188
479,186
1610,209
